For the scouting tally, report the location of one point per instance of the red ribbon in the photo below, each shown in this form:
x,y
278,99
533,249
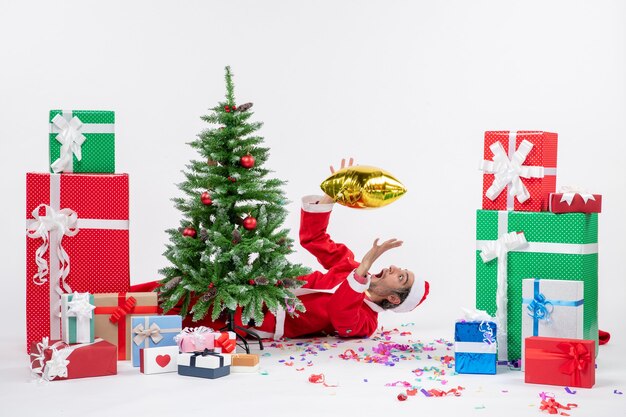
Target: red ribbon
x,y
119,314
552,406
124,307
227,345
578,358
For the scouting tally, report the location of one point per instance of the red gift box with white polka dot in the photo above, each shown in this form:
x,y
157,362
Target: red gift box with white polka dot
x,y
97,252
543,154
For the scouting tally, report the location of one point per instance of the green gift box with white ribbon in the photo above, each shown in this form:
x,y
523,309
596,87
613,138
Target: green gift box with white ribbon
x,y
77,320
512,246
82,141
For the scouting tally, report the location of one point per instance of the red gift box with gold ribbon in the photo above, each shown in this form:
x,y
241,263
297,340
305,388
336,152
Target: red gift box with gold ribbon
x,y
558,361
112,317
77,220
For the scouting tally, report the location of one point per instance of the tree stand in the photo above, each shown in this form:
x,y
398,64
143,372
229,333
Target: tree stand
x,y
232,327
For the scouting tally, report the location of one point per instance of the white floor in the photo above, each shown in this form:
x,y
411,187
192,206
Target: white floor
x,y
282,386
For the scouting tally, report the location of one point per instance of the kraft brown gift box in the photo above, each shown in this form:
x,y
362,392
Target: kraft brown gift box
x,y
112,316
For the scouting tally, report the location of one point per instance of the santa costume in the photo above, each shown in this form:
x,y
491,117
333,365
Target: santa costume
x,y
335,301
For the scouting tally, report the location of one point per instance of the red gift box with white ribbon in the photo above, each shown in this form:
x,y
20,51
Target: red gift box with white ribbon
x,y
79,220
575,200
559,361
55,360
519,170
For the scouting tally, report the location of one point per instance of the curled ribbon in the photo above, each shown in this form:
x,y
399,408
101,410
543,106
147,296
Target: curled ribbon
x,y
64,223
55,366
540,308
487,332
569,192
552,406
71,140
510,171
121,311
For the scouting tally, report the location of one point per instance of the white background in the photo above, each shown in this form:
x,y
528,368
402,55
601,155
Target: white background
x,y
408,86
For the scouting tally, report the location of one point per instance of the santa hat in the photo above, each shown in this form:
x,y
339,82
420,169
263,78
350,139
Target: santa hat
x,y
417,294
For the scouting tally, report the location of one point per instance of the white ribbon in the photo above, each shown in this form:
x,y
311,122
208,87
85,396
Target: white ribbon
x,y
499,249
59,259
569,192
56,366
64,222
71,140
82,309
510,171
474,347
141,333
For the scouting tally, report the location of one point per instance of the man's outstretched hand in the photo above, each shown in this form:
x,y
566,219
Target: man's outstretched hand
x,y
326,199
374,253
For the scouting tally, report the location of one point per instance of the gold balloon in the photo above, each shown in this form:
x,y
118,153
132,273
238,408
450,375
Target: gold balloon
x,y
363,186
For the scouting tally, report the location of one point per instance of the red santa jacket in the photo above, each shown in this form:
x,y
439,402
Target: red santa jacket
x,y
335,301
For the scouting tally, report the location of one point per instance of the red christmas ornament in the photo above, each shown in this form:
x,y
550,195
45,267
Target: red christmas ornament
x,y
279,283
206,198
233,108
211,285
231,179
189,232
227,109
247,161
251,282
249,223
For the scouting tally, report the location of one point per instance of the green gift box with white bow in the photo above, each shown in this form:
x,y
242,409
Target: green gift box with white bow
x,y
82,141
512,246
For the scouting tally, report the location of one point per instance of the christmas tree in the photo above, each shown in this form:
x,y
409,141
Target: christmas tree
x,y
231,250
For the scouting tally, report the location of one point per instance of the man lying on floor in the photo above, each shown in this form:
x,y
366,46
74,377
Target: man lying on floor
x,y
345,300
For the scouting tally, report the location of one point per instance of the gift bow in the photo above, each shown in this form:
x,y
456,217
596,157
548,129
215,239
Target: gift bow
x,y
510,171
121,311
487,332
55,366
505,243
540,308
141,334
197,335
570,192
65,223
71,140
80,307
577,359
227,345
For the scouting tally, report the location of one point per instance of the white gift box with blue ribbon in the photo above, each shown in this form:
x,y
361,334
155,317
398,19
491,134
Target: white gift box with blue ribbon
x,y
475,347
552,308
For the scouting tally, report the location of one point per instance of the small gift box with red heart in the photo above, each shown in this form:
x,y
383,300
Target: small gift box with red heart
x,y
557,361
158,360
152,331
574,200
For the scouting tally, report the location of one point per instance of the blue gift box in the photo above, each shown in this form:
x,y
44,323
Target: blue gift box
x,y
152,331
208,364
475,347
